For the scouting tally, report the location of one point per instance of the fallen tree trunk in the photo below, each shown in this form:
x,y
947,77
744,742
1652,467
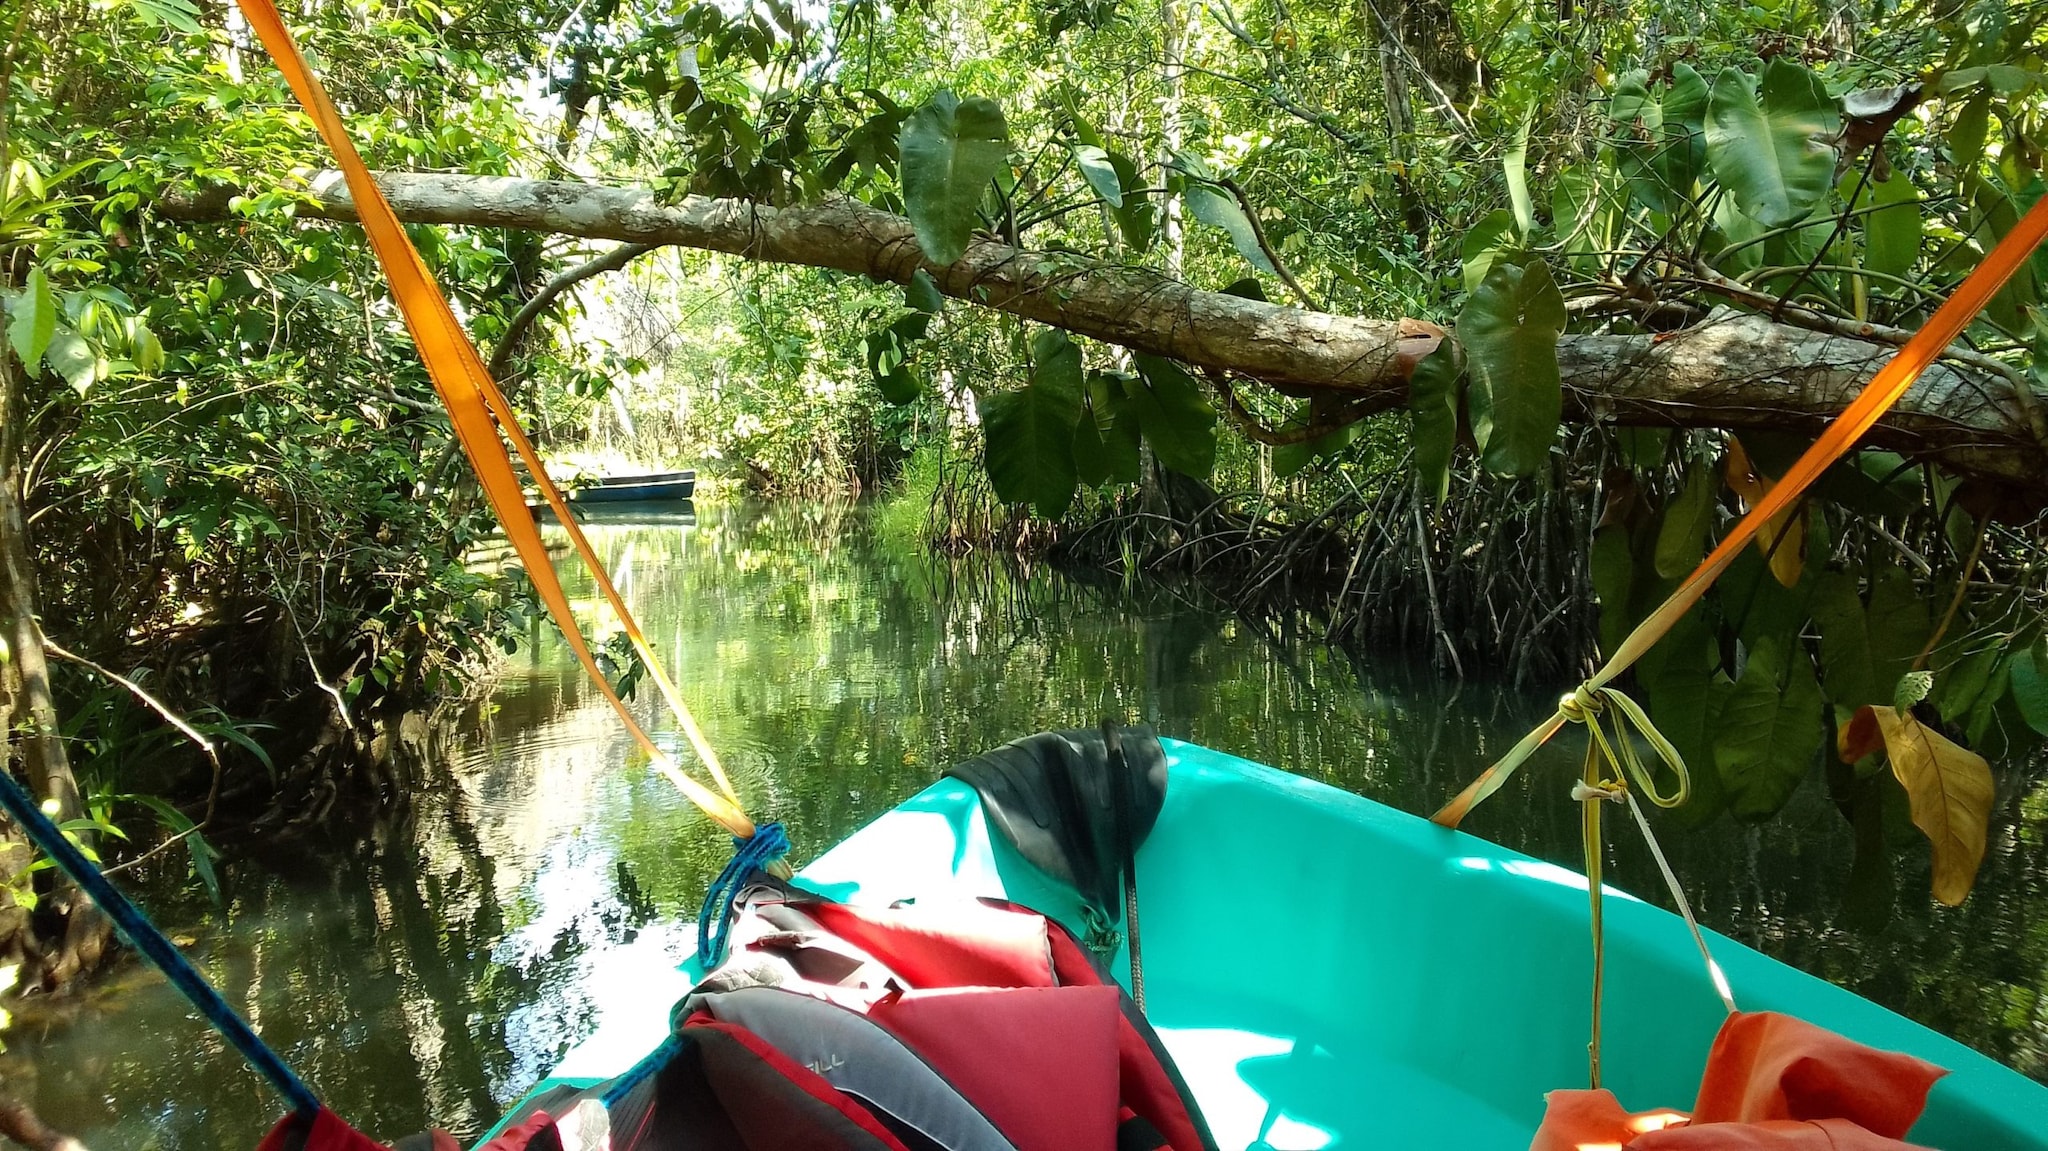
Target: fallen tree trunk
x,y
1734,371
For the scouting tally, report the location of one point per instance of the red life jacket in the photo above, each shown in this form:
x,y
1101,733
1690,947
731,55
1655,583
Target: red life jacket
x,y
973,1027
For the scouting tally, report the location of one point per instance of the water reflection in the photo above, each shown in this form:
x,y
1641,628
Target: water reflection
x,y
434,974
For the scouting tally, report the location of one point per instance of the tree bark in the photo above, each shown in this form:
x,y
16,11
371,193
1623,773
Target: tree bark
x,y
1736,371
34,744
1173,33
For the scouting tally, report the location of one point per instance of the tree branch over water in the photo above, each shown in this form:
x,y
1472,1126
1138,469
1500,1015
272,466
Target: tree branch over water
x,y
1736,371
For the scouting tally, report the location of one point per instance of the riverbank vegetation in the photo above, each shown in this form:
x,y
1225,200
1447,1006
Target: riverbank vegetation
x,y
1459,326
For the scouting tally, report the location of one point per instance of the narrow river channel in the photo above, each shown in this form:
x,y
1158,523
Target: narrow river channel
x,y
430,977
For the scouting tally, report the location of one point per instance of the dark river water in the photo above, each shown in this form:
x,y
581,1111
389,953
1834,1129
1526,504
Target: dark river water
x,y
431,976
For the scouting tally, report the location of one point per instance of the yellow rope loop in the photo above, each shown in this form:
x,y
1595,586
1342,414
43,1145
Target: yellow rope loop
x,y
1630,717
1616,757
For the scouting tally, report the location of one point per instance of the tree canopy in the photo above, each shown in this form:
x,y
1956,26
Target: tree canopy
x,y
1600,266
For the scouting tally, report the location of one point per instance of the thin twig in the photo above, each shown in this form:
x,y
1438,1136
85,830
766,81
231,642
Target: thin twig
x,y
1280,268
1955,601
156,705
619,257
153,852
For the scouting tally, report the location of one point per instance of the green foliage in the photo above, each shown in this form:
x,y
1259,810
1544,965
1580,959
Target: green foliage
x,y
1215,206
1029,432
223,405
951,149
2030,685
1175,417
236,486
1770,732
1682,535
1770,142
1434,394
1661,139
1892,229
1509,331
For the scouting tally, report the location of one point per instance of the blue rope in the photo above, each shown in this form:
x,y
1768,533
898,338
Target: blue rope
x,y
652,1062
151,943
714,921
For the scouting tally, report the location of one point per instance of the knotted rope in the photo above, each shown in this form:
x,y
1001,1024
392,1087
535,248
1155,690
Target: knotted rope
x,y
758,852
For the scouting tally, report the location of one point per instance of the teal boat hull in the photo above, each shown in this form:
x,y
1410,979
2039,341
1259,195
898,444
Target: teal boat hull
x,y
668,490
1328,971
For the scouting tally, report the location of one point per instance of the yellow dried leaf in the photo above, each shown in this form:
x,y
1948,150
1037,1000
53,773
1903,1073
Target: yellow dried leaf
x,y
1951,792
1783,539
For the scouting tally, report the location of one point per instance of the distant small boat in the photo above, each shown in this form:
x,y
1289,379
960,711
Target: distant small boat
x,y
649,486
638,514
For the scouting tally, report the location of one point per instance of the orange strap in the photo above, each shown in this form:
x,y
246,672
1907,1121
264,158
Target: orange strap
x,y
478,411
1883,390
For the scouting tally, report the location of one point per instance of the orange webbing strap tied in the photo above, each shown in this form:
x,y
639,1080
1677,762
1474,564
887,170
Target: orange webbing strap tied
x,y
478,411
1880,394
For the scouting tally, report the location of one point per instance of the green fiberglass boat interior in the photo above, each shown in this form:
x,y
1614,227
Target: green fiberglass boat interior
x,y
1330,972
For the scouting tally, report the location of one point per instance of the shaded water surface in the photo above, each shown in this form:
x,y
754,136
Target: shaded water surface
x,y
431,976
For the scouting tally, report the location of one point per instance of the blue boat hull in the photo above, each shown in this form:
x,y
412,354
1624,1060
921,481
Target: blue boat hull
x,y
635,493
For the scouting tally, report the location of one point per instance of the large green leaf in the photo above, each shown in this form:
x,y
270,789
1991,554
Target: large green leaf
x,y
1174,415
1684,153
1515,167
1100,173
35,319
1433,417
1091,455
1899,624
1486,243
1770,730
1106,437
1772,146
1996,215
1612,564
72,358
1965,678
1509,330
1681,537
1846,664
1966,136
887,351
1219,209
2030,686
1683,694
1638,127
1134,212
1120,435
1028,434
1891,232
1660,140
922,293
1731,238
951,149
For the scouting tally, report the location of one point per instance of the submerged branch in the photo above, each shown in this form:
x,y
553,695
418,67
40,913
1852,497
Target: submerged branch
x,y
20,1124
